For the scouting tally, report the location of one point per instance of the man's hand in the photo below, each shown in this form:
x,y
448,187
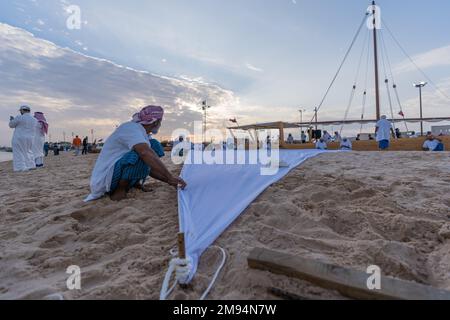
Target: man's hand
x,y
177,183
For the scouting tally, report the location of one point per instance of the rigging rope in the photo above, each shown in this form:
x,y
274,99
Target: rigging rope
x,y
369,55
413,62
352,95
342,63
388,91
394,85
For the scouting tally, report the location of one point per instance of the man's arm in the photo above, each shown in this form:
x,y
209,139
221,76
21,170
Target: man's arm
x,y
13,122
158,169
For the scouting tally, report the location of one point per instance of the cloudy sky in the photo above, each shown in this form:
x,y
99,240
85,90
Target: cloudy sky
x,y
256,60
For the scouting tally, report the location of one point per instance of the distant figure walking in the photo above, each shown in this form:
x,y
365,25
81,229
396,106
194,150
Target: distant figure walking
x,y
85,146
383,133
39,139
24,127
46,148
56,149
304,137
76,143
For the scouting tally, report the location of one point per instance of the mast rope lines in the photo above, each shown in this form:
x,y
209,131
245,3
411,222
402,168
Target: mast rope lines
x,y
388,77
367,14
413,62
352,95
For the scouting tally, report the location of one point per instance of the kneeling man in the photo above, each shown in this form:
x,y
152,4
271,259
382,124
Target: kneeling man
x,y
127,158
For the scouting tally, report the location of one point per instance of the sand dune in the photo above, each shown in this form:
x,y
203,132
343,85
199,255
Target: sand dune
x,y
355,210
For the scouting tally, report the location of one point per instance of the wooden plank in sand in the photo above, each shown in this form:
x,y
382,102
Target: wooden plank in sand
x,y
350,283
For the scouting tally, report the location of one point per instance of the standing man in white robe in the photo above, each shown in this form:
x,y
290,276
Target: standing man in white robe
x,y
39,139
383,133
22,143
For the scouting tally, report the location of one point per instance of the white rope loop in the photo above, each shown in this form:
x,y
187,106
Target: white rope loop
x,y
183,269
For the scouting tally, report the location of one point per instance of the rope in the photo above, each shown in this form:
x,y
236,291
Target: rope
x,y
388,91
183,269
363,110
400,104
394,85
352,95
369,55
390,104
342,64
413,62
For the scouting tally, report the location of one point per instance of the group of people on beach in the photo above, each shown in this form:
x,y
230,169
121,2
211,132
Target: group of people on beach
x,y
28,139
28,142
131,154
128,157
384,132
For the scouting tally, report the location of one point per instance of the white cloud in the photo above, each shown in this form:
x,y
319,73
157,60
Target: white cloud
x,y
253,68
434,58
78,92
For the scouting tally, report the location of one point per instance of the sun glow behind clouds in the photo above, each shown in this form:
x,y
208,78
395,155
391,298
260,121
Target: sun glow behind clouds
x,y
79,93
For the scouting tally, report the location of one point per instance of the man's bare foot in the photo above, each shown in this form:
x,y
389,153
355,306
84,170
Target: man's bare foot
x,y
119,195
121,192
142,187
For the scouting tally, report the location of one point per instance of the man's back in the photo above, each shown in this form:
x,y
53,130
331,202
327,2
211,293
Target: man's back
x,y
384,130
24,124
77,142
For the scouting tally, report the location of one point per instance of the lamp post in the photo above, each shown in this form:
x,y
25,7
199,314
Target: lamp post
x,y
205,108
420,86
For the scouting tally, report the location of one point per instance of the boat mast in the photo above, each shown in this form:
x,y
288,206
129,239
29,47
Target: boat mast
x,y
375,46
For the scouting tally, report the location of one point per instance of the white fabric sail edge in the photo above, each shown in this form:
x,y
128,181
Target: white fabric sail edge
x,y
218,194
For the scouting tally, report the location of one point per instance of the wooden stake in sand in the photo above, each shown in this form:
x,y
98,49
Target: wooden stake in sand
x,y
350,283
182,252
181,246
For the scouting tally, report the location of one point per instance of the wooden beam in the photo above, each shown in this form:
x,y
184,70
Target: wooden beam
x,y
350,283
286,295
281,128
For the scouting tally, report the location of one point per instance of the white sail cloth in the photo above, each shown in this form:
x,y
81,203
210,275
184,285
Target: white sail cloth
x,y
217,194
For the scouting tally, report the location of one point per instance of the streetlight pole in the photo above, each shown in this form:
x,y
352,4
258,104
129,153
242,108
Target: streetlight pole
x,y
205,108
420,86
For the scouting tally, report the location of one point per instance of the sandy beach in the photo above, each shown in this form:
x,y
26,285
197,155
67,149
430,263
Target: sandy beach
x,y
5,156
351,209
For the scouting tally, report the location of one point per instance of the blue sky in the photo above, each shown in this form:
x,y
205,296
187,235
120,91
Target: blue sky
x,y
262,58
